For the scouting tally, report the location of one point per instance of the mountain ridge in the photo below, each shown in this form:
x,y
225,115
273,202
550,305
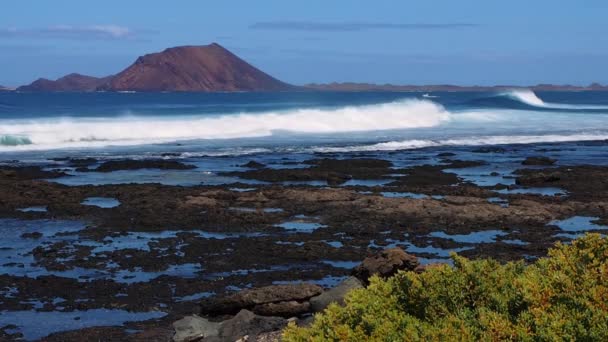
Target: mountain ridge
x,y
213,68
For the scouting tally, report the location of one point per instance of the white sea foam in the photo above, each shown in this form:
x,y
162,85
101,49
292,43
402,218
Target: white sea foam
x,y
121,131
466,141
530,98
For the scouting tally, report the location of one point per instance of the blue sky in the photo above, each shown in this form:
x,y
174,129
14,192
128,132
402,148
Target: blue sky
x,y
402,42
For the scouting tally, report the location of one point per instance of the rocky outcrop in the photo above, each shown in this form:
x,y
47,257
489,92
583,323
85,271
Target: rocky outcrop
x,y
274,300
209,68
129,164
385,264
545,161
71,82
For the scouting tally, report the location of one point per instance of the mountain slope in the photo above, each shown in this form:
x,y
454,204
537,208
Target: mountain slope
x,y
193,68
71,82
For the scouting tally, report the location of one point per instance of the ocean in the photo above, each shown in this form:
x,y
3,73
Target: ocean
x,y
34,125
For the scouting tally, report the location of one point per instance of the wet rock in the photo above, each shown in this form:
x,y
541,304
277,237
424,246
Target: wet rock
x,y
253,165
129,164
538,161
194,328
255,299
246,323
336,294
385,264
538,178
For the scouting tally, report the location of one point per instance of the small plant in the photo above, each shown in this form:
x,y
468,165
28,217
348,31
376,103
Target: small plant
x,y
563,296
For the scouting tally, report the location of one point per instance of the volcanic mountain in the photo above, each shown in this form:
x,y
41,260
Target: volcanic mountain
x,y
193,68
71,82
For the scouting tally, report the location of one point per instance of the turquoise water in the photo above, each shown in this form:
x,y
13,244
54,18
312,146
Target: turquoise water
x,y
138,124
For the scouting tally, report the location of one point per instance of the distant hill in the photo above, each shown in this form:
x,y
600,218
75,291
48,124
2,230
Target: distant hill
x,y
212,68
351,86
71,82
3,88
193,68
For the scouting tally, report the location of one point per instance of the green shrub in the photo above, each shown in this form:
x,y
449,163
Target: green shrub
x,y
561,297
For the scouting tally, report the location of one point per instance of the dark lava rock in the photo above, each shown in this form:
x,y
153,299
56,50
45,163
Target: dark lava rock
x,y
538,161
385,264
258,300
28,173
253,164
129,164
82,162
334,171
538,178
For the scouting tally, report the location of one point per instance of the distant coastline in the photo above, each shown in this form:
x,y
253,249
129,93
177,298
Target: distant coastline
x,y
354,87
212,68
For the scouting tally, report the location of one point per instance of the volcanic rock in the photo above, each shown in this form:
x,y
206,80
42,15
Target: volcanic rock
x,y
115,165
385,264
258,300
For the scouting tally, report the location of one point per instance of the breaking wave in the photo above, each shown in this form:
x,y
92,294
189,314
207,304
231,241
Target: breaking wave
x,y
123,131
467,141
530,98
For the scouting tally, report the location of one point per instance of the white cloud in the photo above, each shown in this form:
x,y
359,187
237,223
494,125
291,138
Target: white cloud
x,y
72,32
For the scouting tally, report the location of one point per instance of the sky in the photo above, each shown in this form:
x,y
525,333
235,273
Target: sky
x,y
461,42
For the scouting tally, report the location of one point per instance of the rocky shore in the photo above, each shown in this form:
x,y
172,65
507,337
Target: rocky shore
x,y
242,259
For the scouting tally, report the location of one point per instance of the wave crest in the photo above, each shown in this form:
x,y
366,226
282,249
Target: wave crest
x,y
530,98
72,132
466,141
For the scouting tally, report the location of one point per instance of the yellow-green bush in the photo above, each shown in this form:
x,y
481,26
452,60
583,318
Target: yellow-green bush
x,y
561,297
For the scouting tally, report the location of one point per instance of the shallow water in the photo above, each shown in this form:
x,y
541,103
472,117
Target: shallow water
x,y
37,324
486,236
578,224
101,202
35,209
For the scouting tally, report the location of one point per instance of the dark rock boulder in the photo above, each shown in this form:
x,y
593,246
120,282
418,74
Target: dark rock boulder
x,y
275,300
385,264
130,164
